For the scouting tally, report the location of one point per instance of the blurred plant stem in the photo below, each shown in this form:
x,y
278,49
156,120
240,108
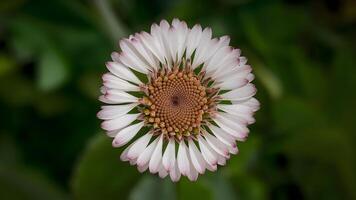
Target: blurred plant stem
x,y
112,24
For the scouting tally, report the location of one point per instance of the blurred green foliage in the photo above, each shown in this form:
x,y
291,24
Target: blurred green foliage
x,y
52,54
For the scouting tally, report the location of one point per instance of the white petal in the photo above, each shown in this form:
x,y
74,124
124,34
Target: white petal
x,y
233,149
126,134
153,44
156,159
113,82
182,157
118,96
141,56
193,40
233,128
139,146
216,144
145,55
209,155
193,173
223,55
175,173
104,99
167,40
227,63
172,42
212,48
243,112
169,156
182,32
222,135
111,133
145,156
119,122
250,77
232,84
230,72
211,168
123,155
221,160
111,112
203,47
159,33
162,172
133,161
135,59
240,94
122,71
252,103
196,158
235,109
238,73
242,61
142,168
130,61
224,41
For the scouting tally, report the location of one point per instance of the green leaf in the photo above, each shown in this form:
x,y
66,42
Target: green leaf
x,y
101,175
18,181
25,184
194,190
52,71
149,186
220,186
323,151
7,64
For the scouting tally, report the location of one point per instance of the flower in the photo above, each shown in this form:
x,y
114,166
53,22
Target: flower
x,y
180,100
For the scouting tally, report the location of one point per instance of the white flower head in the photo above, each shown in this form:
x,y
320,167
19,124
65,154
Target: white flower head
x,y
193,106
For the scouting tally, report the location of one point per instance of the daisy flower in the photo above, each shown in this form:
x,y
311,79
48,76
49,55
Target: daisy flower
x,y
178,99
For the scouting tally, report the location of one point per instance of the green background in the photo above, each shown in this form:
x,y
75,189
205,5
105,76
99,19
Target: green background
x,y
52,56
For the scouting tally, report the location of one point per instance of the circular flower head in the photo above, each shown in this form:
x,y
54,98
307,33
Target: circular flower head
x,y
180,100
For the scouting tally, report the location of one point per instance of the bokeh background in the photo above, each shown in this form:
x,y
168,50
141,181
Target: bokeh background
x,y
52,56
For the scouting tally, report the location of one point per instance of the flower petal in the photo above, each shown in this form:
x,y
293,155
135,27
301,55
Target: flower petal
x,y
123,155
139,146
243,112
252,103
193,173
175,173
113,82
236,129
120,122
202,48
153,44
122,71
111,112
222,135
240,94
209,155
216,144
156,159
182,158
193,40
131,58
145,156
169,156
118,96
126,134
162,172
142,168
196,158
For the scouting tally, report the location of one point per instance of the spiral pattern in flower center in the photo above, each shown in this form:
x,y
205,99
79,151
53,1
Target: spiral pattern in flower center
x,y
177,103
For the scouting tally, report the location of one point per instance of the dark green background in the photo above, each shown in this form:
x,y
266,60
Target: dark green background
x,y
52,56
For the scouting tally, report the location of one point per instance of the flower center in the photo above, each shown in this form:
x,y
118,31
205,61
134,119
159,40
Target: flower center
x,y
175,100
177,103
